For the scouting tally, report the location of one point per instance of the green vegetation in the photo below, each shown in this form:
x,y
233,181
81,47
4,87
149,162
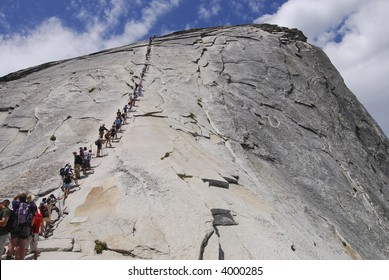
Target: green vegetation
x,y
100,246
92,89
53,138
167,154
184,176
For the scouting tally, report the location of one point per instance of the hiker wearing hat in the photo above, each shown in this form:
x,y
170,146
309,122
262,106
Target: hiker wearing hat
x,y
5,213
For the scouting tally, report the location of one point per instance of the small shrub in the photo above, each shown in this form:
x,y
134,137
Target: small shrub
x,y
167,154
53,138
100,246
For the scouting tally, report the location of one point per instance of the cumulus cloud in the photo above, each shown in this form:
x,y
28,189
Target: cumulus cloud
x,y
52,40
354,35
49,41
209,10
136,29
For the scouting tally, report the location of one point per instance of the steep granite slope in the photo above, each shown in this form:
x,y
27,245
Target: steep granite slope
x,y
246,145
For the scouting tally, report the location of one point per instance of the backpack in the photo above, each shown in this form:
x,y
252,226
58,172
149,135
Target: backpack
x,y
67,180
24,213
13,222
64,170
44,211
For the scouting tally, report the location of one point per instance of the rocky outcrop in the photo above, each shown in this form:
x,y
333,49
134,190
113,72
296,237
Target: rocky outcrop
x,y
246,145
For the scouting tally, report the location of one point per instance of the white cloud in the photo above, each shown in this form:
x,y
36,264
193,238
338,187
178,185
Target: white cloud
x,y
206,12
361,53
51,40
313,17
137,29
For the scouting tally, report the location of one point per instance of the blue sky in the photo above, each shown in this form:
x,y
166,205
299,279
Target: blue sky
x,y
353,33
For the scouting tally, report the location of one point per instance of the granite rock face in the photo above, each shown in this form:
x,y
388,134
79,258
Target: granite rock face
x,y
246,145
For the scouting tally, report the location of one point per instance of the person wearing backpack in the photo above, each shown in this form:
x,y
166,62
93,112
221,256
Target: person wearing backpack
x,y
5,214
25,211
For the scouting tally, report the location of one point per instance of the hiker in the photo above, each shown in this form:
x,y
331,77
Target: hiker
x,y
136,87
52,200
5,213
19,237
140,89
85,162
12,245
71,174
81,149
34,236
67,184
99,144
108,139
124,118
118,124
135,96
101,130
113,133
78,165
30,200
119,115
125,110
46,216
89,159
65,170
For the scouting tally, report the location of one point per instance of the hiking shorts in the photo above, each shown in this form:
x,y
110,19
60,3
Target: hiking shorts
x,y
67,186
22,232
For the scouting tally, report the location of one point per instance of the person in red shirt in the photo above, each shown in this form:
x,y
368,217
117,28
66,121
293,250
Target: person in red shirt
x,y
34,238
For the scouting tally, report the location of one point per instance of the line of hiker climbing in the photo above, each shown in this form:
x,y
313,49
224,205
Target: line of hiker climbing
x,y
21,226
82,159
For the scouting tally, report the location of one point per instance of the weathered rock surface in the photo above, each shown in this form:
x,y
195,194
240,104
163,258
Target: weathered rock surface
x,y
246,145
